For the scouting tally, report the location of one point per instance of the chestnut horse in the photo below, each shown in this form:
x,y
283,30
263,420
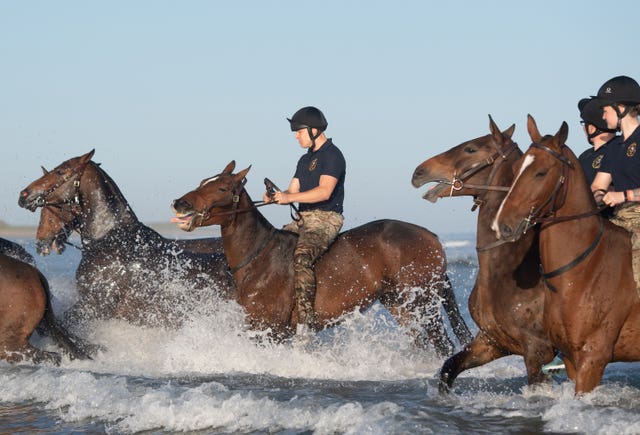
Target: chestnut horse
x,y
592,309
125,265
400,264
508,297
25,303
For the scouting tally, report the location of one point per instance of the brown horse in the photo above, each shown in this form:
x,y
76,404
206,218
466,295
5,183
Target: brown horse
x,y
25,303
592,309
15,250
57,223
125,265
385,260
508,297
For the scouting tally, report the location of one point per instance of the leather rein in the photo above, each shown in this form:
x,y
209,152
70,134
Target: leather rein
x,y
549,218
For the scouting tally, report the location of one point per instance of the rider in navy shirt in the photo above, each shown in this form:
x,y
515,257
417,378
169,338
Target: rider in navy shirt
x,y
318,187
620,102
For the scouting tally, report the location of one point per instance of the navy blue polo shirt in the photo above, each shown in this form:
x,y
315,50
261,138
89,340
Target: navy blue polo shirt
x,y
622,162
591,160
328,160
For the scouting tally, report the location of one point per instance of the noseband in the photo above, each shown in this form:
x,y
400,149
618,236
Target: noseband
x,y
500,155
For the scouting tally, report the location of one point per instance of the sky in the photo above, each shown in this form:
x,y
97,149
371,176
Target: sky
x,y
169,92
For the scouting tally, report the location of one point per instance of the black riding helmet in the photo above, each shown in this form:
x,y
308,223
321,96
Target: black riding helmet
x,y
591,113
620,90
309,117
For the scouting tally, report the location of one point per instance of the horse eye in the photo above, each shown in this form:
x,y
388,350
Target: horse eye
x,y
223,189
541,173
469,149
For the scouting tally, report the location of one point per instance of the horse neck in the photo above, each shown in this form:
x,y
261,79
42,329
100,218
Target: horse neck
x,y
244,230
576,199
104,208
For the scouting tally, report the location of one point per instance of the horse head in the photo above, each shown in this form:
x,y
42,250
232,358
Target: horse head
x,y
58,187
465,169
213,202
55,226
539,187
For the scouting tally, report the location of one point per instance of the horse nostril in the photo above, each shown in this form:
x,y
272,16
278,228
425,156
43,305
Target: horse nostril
x,y
179,204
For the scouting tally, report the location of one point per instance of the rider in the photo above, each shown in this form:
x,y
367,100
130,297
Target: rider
x,y
318,187
598,135
620,102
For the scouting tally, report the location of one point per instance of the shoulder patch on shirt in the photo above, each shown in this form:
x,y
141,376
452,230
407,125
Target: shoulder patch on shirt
x,y
631,150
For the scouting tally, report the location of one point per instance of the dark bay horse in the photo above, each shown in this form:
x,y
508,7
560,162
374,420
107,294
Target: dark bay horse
x,y
592,308
57,223
125,265
25,303
508,296
385,260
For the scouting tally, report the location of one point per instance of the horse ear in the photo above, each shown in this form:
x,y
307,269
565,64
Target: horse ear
x,y
44,170
88,156
242,174
230,167
532,128
509,131
563,133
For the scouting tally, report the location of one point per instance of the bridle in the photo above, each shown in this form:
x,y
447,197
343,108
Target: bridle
x,y
67,205
500,155
549,218
236,190
75,174
458,182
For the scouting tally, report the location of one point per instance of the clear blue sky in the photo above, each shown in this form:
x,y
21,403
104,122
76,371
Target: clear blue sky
x,y
168,92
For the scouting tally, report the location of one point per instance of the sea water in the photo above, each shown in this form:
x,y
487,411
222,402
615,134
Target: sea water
x,y
364,376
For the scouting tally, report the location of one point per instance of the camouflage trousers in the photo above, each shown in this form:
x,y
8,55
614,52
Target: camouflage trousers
x,y
628,217
316,230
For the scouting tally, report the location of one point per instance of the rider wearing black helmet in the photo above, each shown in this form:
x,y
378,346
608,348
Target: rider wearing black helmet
x,y
598,135
318,187
620,102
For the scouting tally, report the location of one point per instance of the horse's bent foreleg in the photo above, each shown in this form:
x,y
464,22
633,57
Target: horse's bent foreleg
x,y
450,305
478,352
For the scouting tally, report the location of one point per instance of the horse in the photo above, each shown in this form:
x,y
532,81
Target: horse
x,y
592,308
56,225
124,263
384,260
25,303
15,250
508,296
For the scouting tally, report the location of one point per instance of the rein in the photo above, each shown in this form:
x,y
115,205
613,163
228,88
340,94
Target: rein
x,y
551,219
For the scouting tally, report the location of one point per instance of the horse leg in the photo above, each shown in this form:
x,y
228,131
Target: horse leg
x,y
431,331
450,305
589,371
534,358
478,352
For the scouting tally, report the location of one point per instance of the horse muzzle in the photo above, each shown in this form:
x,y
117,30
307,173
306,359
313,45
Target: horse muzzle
x,y
31,201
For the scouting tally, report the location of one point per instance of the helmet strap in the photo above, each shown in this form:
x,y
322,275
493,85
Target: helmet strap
x,y
313,138
622,114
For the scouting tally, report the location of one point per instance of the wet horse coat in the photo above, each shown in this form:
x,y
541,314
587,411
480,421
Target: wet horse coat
x,y
592,309
25,302
400,264
126,266
508,296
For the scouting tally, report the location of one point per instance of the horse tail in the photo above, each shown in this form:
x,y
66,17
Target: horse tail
x,y
450,305
67,341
